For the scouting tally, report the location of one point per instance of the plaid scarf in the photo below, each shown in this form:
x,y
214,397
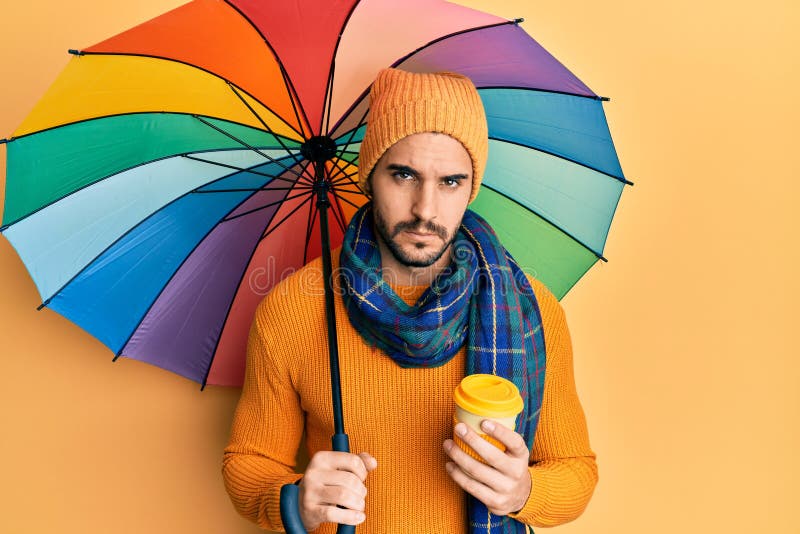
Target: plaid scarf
x,y
483,298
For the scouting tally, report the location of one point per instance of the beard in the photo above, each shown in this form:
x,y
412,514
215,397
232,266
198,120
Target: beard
x,y
404,257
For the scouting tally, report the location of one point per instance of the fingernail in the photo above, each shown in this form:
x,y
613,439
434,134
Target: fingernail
x,y
448,466
461,429
360,517
487,425
448,445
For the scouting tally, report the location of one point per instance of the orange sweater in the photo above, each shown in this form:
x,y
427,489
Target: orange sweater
x,y
400,416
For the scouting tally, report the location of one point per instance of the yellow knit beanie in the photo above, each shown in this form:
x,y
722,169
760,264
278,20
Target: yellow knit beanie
x,y
404,103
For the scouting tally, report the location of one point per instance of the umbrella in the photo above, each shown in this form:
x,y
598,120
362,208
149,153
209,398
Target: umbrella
x,y
173,173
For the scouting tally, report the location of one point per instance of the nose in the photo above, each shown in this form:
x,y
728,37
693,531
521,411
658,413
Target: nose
x,y
424,203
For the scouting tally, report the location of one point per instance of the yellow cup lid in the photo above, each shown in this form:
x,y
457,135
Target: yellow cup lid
x,y
488,396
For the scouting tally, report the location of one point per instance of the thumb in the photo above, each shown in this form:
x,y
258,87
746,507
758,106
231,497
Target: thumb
x,y
369,462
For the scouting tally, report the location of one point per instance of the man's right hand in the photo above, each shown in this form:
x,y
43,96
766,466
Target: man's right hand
x,y
332,488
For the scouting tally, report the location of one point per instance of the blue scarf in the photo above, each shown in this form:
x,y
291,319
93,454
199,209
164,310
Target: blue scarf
x,y
483,299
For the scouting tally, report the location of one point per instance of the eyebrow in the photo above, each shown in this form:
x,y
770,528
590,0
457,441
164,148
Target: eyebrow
x,y
413,172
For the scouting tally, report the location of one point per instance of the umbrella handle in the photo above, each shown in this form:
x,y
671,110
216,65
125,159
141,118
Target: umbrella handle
x,y
290,513
290,506
290,509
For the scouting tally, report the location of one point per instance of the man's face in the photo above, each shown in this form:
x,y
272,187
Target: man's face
x,y
420,189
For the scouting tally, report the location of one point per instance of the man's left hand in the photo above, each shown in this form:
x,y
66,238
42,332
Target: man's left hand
x,y
503,483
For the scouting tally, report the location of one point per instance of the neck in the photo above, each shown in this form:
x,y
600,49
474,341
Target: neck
x,y
399,274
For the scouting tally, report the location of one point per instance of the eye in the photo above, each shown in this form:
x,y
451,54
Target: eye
x,y
402,175
452,182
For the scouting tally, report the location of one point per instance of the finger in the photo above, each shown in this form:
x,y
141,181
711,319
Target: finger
x,y
370,462
514,442
491,454
341,461
477,489
341,496
342,516
480,471
346,480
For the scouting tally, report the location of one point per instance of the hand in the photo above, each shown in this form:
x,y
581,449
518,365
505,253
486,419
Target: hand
x,y
333,480
503,483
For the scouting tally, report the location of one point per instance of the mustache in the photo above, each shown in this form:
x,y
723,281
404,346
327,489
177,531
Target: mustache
x,y
419,225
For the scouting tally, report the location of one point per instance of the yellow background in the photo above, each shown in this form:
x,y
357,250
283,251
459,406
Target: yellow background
x,y
683,341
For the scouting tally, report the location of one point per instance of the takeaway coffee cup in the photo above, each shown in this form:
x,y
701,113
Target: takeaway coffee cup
x,y
480,397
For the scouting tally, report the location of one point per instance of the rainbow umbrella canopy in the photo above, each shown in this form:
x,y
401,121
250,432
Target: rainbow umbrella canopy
x,y
163,184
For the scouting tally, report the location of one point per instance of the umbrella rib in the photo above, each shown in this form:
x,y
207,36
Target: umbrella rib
x,y
253,189
293,98
124,234
341,188
286,78
263,237
257,116
233,299
398,63
353,134
325,121
340,174
347,177
126,114
354,188
248,212
404,58
540,90
307,192
514,22
336,210
548,221
618,178
256,150
251,171
329,97
339,197
172,276
164,58
343,175
347,191
120,171
339,169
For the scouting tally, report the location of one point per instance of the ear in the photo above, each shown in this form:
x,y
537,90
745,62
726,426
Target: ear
x,y
368,183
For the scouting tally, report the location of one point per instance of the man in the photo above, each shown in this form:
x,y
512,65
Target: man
x,y
428,295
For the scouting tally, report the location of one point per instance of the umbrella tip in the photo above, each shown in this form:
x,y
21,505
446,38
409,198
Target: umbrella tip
x,y
76,52
604,99
519,20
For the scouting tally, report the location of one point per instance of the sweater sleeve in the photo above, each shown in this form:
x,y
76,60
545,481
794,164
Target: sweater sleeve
x,y
258,461
563,469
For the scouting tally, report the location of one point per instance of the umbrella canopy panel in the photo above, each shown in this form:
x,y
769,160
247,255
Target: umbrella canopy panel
x,y
158,189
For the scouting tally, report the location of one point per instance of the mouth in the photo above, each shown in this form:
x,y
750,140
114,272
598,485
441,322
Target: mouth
x,y
421,235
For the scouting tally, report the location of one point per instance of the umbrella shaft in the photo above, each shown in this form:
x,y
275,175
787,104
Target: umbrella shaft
x,y
321,189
